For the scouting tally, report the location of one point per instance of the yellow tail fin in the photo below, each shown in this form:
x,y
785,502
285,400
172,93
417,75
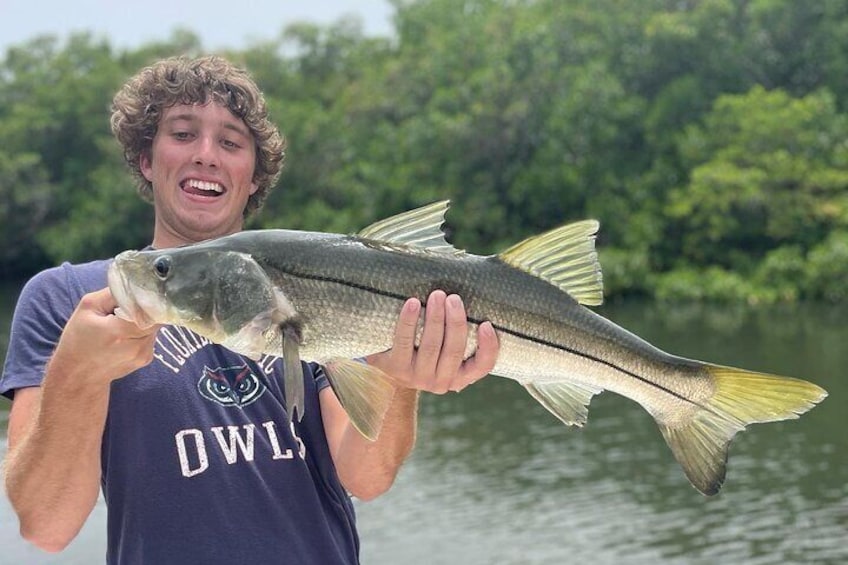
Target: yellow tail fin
x,y
741,398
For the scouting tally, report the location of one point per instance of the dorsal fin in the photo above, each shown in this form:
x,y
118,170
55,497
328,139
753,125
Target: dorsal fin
x,y
565,257
421,228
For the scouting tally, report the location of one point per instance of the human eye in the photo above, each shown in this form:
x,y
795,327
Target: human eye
x,y
230,144
181,135
233,140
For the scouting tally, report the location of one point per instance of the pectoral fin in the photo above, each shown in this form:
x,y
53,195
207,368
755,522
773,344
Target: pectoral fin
x,y
293,377
364,391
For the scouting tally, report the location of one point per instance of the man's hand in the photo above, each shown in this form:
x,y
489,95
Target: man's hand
x,y
53,464
100,346
437,365
368,468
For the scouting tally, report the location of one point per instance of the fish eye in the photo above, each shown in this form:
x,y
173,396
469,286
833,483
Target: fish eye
x,y
162,266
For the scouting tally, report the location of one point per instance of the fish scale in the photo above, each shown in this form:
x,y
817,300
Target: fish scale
x,y
547,331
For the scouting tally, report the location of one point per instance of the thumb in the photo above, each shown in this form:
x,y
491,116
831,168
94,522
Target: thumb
x,y
101,301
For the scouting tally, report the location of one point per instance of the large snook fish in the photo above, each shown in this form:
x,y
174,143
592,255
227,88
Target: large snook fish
x,y
333,298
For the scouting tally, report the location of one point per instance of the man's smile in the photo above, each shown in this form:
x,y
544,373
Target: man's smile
x,y
202,188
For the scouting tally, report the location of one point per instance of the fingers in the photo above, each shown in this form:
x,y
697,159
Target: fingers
x,y
99,345
100,301
483,360
98,308
453,345
443,346
432,337
403,346
438,364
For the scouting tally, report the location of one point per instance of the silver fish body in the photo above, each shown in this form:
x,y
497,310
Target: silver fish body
x,y
347,293
331,297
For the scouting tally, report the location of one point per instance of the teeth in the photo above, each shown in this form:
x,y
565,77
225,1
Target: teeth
x,y
204,185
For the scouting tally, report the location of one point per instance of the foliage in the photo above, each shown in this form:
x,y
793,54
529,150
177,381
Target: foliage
x,y
828,268
707,136
26,192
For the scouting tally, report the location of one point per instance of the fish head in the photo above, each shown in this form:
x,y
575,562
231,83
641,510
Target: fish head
x,y
221,294
140,297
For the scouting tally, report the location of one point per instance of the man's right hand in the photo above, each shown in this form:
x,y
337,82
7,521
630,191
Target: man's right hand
x,y
97,346
56,430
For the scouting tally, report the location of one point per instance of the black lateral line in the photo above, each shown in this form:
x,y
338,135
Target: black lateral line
x,y
512,332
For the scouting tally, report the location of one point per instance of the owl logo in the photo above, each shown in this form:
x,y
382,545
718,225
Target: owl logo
x,y
230,386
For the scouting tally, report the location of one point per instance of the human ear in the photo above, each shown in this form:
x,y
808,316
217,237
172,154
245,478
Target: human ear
x,y
145,165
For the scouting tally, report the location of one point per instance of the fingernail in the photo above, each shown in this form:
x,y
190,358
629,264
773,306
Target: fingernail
x,y
436,294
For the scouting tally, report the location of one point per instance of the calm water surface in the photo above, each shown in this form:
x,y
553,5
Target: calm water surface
x,y
496,480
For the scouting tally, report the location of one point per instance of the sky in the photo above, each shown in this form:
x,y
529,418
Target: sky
x,y
131,23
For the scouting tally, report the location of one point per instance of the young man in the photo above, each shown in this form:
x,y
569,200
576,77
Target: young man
x,y
190,442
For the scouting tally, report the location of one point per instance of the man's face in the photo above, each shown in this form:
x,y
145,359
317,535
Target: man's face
x,y
201,166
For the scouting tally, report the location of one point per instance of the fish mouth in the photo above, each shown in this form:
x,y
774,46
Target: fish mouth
x,y
135,303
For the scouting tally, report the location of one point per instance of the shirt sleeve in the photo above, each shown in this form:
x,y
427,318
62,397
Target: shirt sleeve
x,y
43,308
321,380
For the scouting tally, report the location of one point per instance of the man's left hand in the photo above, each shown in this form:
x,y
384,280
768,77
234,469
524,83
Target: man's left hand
x,y
437,365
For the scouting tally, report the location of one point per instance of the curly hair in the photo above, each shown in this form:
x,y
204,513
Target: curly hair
x,y
138,106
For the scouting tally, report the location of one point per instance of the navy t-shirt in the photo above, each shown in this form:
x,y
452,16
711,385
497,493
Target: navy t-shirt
x,y
199,461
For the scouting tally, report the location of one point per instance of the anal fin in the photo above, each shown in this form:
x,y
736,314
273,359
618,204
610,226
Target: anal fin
x,y
567,401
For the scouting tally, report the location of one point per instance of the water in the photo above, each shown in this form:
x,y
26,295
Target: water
x,y
496,479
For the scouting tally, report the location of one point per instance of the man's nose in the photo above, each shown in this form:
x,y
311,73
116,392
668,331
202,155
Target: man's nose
x,y
206,152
